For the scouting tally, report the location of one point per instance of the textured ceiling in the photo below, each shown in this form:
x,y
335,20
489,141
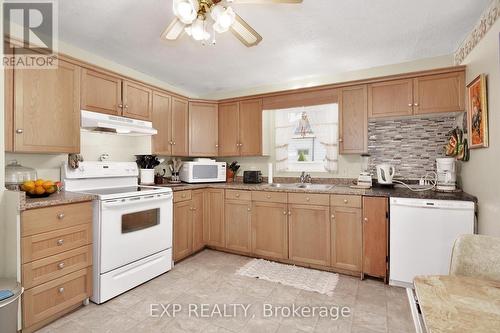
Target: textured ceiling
x,y
313,39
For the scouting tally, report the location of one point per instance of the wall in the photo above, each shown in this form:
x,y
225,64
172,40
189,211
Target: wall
x,y
410,144
480,174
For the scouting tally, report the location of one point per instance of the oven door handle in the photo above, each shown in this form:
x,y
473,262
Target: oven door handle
x,y
128,201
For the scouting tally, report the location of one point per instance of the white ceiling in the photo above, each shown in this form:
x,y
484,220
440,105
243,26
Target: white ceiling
x,y
312,39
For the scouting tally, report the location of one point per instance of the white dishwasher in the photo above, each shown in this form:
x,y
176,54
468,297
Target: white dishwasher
x,y
422,234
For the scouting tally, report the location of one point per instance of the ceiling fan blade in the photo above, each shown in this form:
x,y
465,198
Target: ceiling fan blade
x,y
174,30
245,33
266,1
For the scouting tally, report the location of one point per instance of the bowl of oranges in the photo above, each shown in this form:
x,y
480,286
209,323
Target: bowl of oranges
x,y
39,188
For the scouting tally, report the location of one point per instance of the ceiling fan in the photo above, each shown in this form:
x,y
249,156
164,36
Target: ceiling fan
x,y
196,17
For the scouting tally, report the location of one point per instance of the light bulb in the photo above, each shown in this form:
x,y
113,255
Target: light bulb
x,y
186,10
198,30
223,17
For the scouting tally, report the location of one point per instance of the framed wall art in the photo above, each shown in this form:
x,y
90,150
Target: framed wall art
x,y
477,112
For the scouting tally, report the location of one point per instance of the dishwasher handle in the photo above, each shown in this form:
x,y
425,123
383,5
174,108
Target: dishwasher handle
x,y
432,204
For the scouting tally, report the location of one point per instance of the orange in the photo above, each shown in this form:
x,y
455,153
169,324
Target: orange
x,y
39,182
50,189
28,185
39,190
48,184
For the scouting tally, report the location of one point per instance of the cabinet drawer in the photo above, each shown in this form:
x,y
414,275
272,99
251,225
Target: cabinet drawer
x,y
36,221
50,268
345,201
52,297
309,199
277,197
182,196
50,243
238,195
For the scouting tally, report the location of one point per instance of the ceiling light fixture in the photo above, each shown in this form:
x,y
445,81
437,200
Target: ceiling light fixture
x,y
191,16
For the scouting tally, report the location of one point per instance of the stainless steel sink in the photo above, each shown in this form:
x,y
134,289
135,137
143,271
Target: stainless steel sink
x,y
306,186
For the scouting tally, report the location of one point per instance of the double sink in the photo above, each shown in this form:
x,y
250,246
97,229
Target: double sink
x,y
306,186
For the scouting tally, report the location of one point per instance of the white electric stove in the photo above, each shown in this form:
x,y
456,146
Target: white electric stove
x,y
132,225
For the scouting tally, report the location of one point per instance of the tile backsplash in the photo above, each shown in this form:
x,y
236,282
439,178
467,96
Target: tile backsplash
x,y
410,144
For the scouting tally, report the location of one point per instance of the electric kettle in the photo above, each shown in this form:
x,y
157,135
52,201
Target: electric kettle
x,y
385,172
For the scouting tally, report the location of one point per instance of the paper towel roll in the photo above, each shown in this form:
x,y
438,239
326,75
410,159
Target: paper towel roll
x,y
269,173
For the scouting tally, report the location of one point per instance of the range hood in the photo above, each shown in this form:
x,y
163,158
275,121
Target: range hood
x,y
99,122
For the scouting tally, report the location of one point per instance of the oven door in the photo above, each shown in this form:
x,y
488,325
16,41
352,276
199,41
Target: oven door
x,y
134,228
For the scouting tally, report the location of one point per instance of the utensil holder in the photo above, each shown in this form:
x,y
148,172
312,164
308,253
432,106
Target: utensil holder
x,y
147,176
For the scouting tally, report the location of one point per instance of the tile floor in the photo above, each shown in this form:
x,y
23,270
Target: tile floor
x,y
208,277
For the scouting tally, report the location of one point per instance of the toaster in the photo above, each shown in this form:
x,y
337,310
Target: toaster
x,y
252,177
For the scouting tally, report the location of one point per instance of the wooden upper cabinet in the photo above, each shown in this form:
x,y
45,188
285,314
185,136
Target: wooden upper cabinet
x,y
137,100
390,99
180,125
203,129
250,125
229,129
162,121
439,93
309,233
101,92
353,120
346,236
47,109
375,234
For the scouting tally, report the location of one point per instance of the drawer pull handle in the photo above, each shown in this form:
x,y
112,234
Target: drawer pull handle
x,y
60,265
60,242
60,216
61,290
346,201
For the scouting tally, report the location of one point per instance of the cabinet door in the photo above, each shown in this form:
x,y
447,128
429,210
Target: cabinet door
x,y
214,218
180,125
203,129
390,99
309,234
101,92
353,122
137,101
47,109
270,229
183,229
439,93
197,203
229,129
250,127
375,236
346,238
9,108
162,121
238,225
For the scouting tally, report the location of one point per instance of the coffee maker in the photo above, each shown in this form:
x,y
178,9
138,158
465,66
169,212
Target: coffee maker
x,y
365,177
446,174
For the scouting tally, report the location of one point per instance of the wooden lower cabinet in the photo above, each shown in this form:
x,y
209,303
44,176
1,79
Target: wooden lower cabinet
x,y
214,217
183,229
375,236
198,216
346,238
237,214
270,229
309,234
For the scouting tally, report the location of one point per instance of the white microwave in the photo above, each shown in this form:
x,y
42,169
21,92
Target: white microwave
x,y
203,172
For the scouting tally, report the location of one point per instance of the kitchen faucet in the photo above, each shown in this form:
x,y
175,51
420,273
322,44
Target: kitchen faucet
x,y
305,178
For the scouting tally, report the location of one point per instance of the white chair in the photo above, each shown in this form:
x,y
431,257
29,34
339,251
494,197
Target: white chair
x,y
476,256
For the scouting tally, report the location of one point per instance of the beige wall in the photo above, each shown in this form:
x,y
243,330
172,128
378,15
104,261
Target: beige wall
x,y
480,174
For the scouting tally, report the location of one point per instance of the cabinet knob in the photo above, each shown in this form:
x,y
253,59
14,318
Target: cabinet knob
x,y
237,145
284,212
237,195
241,145
248,209
410,105
173,143
416,104
61,290
341,140
365,219
60,242
60,265
216,146
268,196
333,216
126,106
60,216
183,195
120,105
289,213
308,199
346,201
19,131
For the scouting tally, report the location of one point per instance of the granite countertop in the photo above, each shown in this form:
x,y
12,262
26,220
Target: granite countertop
x,y
458,303
342,188
61,198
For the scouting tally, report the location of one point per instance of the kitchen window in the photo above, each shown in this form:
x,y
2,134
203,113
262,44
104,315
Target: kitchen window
x,y
305,138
